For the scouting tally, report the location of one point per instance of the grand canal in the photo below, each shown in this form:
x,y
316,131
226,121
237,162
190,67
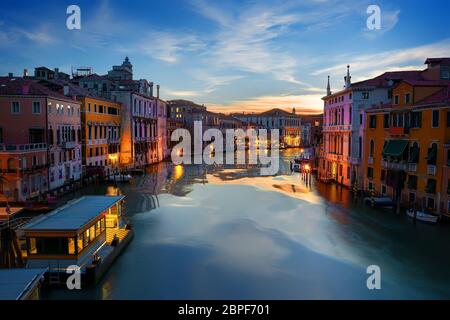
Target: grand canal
x,y
215,232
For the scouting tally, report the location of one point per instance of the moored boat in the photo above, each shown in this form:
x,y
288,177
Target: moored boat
x,y
381,202
120,178
422,216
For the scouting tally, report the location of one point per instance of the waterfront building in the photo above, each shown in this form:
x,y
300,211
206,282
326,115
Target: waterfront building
x,y
100,119
85,232
406,155
39,139
344,123
143,117
100,134
288,124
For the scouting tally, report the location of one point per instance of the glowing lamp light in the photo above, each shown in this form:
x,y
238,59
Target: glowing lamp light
x,y
307,167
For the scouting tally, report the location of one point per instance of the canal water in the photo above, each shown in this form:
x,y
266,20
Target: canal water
x,y
225,232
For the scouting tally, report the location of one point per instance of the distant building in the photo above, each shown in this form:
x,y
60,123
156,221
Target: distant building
x,y
289,124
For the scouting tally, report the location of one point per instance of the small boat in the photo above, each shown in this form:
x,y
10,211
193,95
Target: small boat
x,y
422,216
120,178
380,202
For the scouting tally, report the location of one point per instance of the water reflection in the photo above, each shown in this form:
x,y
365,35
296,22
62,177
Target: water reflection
x,y
222,232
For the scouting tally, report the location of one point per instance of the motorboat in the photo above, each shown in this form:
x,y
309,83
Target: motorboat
x,y
120,178
422,216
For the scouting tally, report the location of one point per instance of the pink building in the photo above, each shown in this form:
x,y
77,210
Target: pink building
x,y
344,124
35,139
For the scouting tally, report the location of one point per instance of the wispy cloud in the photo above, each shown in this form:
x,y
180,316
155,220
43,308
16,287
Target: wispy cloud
x,y
245,41
364,66
168,47
175,94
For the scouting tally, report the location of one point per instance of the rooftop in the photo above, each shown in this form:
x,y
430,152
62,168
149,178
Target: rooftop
x,y
74,215
14,283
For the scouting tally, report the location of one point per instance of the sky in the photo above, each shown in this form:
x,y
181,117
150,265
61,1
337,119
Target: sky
x,y
232,55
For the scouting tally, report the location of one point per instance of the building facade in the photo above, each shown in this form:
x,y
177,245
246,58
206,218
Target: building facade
x,y
41,139
288,124
406,154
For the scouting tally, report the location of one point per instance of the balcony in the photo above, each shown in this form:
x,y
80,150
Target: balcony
x,y
431,170
69,145
370,160
412,167
394,165
21,148
113,140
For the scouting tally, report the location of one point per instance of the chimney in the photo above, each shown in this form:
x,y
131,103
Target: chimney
x,y
151,89
25,89
11,75
25,73
66,90
157,91
56,73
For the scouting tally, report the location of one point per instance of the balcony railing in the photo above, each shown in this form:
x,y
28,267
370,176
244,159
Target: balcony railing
x,y
431,170
18,148
412,167
113,140
394,165
69,145
370,160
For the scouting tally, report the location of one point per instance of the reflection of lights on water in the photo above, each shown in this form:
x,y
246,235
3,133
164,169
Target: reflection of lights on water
x,y
178,172
307,167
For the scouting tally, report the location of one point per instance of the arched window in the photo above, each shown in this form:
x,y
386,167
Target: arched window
x,y
432,154
414,153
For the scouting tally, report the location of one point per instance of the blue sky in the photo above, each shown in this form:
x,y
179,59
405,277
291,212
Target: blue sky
x,y
230,55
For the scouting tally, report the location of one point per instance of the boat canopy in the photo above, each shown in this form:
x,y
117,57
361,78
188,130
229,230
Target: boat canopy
x,y
74,215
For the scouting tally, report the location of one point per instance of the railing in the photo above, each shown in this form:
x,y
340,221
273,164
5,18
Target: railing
x,y
370,160
23,147
431,170
394,165
412,167
69,145
113,140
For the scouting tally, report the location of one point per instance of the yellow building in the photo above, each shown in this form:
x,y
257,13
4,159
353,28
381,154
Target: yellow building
x,y
100,120
405,155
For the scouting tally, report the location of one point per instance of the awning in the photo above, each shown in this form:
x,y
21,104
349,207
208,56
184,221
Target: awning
x,y
395,148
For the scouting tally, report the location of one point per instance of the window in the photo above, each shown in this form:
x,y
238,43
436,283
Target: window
x,y
432,155
373,121
383,175
416,119
412,197
386,120
360,119
435,120
412,182
15,107
396,99
448,119
1,136
370,173
365,95
431,186
36,107
407,98
383,189
448,156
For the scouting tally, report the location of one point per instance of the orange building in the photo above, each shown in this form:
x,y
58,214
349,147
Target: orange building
x,y
100,120
406,153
